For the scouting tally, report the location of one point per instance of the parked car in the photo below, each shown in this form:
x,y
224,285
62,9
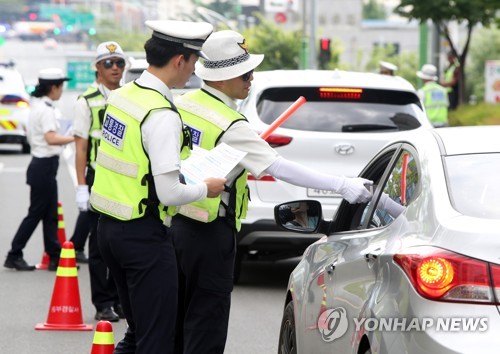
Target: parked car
x,y
138,65
416,270
14,107
347,118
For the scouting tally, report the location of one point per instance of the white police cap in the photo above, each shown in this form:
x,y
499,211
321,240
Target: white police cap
x,y
108,50
191,35
52,74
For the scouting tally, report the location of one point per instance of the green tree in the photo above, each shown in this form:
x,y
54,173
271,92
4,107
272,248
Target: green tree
x,y
442,12
485,46
372,10
128,40
281,48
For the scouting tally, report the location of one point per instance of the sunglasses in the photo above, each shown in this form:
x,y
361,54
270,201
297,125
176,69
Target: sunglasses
x,y
108,63
246,76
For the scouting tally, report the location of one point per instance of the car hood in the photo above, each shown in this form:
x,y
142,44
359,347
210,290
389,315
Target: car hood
x,y
474,237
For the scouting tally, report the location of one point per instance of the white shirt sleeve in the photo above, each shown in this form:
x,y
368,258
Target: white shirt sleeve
x,y
259,154
161,137
82,119
299,175
48,120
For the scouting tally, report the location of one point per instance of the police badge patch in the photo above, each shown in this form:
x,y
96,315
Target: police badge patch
x,y
113,131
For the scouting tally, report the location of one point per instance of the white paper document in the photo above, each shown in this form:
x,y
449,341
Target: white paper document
x,y
217,162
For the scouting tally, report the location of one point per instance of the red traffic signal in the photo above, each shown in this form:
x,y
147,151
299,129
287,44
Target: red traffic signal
x,y
325,44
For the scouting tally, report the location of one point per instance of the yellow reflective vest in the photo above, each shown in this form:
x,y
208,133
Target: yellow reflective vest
x,y
436,103
208,118
96,102
123,188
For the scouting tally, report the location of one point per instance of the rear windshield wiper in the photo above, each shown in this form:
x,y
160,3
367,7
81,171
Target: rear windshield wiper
x,y
351,128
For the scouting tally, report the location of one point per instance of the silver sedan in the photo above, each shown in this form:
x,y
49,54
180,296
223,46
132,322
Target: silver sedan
x,y
416,270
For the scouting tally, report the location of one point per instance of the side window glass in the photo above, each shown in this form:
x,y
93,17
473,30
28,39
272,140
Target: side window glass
x,y
398,192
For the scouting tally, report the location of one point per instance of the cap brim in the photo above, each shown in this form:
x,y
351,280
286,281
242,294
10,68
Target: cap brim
x,y
229,72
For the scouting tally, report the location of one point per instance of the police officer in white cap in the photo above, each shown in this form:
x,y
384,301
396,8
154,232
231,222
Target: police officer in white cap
x,y
89,111
386,68
204,232
137,185
46,146
433,96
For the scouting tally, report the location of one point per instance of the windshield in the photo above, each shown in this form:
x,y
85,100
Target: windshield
x,y
333,110
473,184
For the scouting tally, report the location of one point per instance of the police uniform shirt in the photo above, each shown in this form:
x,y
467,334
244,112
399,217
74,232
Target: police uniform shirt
x,y
242,137
83,115
44,117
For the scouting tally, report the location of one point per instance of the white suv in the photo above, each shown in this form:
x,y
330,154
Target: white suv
x,y
347,118
14,107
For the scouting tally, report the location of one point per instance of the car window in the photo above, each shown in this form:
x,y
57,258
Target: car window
x,y
473,184
331,109
397,193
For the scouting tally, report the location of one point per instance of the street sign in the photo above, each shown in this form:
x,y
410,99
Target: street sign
x,y
492,81
81,74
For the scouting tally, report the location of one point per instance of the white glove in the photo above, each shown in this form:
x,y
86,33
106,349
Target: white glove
x,y
389,205
82,197
353,189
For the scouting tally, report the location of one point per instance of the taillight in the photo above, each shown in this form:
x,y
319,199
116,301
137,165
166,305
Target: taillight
x,y
276,140
265,178
443,275
13,99
495,276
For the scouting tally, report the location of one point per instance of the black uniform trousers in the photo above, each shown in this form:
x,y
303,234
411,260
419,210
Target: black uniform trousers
x,y
41,176
205,260
141,258
102,285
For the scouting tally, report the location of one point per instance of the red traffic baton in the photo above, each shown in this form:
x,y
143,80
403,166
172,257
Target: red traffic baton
x,y
283,117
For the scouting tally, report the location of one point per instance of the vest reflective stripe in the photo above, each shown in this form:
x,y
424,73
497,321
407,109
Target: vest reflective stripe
x,y
203,111
435,102
114,164
208,118
136,110
123,187
111,207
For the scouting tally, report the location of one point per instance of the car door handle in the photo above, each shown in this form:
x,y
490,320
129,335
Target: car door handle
x,y
371,257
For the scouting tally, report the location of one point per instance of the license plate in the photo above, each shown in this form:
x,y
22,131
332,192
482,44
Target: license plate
x,y
321,193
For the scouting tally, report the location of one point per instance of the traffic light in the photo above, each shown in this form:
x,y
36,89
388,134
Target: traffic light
x,y
325,54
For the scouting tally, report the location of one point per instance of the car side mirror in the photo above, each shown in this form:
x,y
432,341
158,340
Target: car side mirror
x,y
303,216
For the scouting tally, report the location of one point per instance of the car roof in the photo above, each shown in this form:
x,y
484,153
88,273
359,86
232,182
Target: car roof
x,y
337,78
11,82
469,139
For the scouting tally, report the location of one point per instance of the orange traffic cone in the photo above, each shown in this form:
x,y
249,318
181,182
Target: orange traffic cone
x,y
65,312
104,342
61,236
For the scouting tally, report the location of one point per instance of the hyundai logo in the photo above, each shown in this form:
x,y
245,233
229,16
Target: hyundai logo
x,y
344,149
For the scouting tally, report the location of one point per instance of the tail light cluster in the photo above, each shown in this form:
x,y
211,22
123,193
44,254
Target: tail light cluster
x,y
14,100
443,275
275,140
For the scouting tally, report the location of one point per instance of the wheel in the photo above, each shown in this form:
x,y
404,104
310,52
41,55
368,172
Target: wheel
x,y
26,148
288,341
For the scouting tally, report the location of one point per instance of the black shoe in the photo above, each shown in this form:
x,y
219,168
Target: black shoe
x,y
18,264
119,310
81,257
53,264
107,314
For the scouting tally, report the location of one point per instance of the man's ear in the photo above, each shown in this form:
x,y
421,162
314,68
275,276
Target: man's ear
x,y
178,61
